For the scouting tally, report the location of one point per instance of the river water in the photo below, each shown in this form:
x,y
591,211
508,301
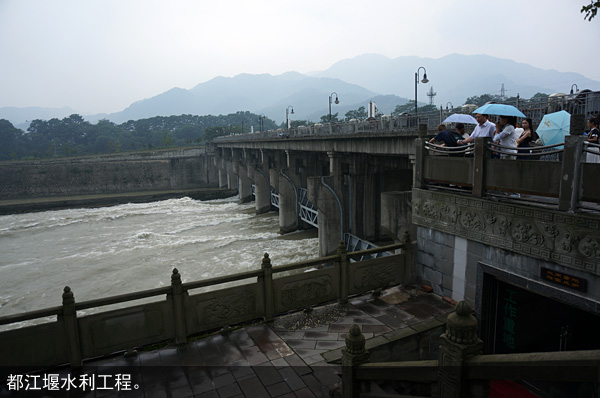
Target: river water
x,y
114,250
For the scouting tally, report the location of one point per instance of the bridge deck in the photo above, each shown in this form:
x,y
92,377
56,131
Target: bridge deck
x,y
289,357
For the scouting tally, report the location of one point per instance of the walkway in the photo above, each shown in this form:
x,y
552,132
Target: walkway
x,y
290,357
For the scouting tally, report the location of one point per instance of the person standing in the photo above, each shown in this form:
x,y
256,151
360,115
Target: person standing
x,y
508,136
484,128
593,137
525,138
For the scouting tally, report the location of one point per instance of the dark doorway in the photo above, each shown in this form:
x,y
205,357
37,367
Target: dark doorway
x,y
515,320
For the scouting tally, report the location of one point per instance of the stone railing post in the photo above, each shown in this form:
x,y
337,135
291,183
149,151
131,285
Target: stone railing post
x,y
457,344
422,131
69,317
344,271
178,308
420,154
353,354
267,280
405,273
481,154
570,183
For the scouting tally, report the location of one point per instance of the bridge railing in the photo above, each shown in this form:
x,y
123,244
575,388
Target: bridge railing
x,y
561,177
69,338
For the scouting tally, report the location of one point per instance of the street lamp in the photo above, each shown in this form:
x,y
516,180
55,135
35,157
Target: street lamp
x,y
261,121
425,80
576,88
337,101
287,118
451,106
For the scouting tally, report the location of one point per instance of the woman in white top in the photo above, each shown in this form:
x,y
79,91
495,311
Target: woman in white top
x,y
508,136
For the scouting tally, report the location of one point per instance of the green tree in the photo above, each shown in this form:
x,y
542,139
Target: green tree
x,y
590,10
360,113
212,132
539,97
325,118
10,140
482,99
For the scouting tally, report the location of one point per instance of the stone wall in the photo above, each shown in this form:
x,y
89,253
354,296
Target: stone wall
x,y
458,236
450,264
132,172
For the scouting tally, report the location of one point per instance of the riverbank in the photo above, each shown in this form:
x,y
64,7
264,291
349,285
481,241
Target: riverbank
x,y
16,206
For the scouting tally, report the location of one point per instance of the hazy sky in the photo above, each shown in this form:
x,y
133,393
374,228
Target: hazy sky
x,y
101,55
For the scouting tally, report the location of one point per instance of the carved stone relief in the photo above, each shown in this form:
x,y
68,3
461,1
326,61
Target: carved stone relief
x,y
375,276
572,240
228,307
306,291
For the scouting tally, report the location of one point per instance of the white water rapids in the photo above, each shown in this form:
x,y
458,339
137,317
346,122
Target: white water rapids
x,y
114,250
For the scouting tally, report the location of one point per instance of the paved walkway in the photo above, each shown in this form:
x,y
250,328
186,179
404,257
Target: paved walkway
x,y
285,358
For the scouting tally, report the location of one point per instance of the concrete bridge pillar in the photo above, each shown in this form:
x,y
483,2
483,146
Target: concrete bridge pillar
x,y
363,198
288,184
244,184
222,178
331,224
262,190
230,176
212,172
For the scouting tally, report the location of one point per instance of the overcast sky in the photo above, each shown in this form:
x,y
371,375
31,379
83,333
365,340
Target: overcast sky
x,y
101,55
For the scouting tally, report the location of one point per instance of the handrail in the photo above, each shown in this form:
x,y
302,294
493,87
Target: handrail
x,y
376,250
532,151
5,320
307,263
122,298
221,279
587,145
449,150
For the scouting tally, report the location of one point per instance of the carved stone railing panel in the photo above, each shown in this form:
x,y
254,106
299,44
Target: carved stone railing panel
x,y
224,307
572,240
375,273
42,345
121,329
306,289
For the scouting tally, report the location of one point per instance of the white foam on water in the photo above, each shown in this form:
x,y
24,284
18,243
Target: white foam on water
x,y
131,247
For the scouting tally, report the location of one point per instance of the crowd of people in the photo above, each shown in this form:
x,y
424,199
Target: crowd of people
x,y
508,134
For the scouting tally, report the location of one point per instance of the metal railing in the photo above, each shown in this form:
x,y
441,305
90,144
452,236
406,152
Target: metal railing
x,y
548,175
308,212
274,198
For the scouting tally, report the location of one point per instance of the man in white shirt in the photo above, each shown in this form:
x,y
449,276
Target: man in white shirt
x,y
485,128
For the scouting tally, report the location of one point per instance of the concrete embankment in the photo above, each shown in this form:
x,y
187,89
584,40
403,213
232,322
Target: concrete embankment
x,y
65,202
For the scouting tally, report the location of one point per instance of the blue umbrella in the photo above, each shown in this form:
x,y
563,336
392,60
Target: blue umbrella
x,y
460,118
554,127
499,109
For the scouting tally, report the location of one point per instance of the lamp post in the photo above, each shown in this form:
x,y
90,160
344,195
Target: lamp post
x,y
425,80
261,121
337,101
576,88
287,118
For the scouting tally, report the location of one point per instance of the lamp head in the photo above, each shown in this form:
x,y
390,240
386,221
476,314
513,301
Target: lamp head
x,y
337,101
425,79
292,112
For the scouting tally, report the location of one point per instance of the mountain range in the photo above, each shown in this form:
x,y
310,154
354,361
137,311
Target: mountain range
x,y
371,77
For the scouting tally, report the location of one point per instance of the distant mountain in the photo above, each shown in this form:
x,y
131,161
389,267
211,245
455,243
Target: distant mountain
x,y
21,117
266,94
454,77
388,82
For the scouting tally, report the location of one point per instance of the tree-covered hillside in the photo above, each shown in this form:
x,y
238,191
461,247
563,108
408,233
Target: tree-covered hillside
x,y
74,136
